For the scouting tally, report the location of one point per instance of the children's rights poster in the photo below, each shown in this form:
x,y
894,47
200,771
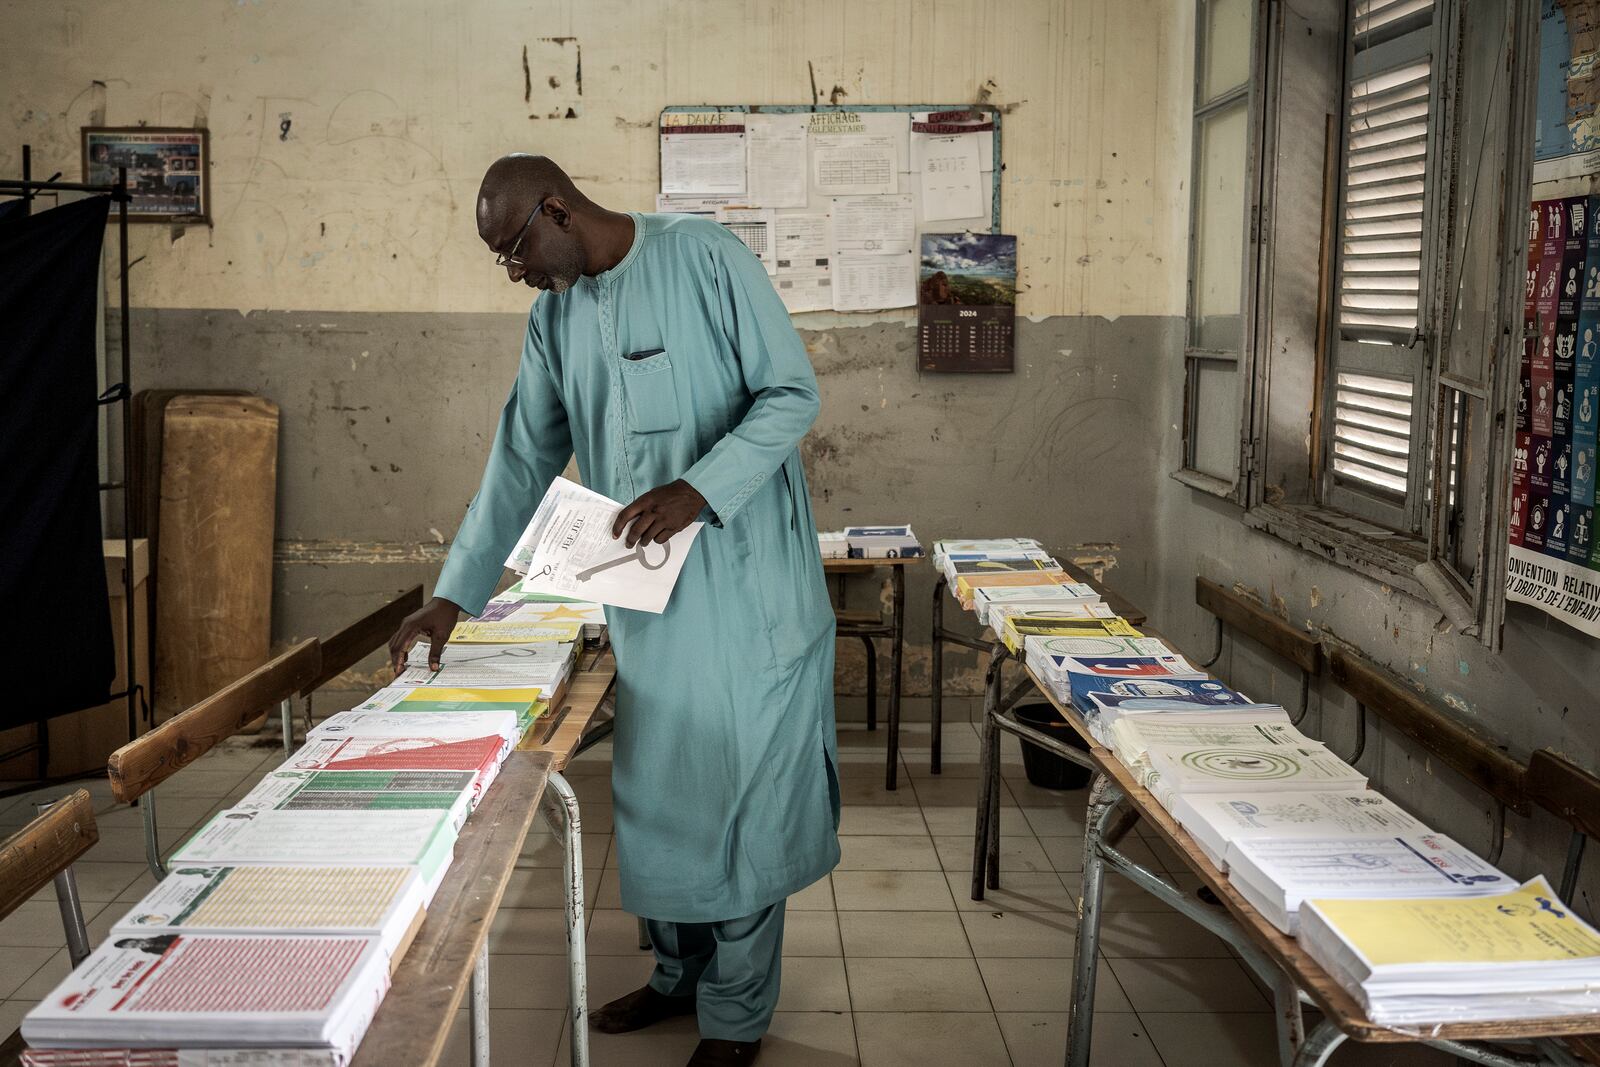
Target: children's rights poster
x,y
1553,563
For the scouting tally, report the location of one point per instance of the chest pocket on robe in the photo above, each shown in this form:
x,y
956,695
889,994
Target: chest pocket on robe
x,y
652,393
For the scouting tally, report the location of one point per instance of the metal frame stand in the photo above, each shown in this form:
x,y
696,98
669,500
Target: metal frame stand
x,y
895,631
560,809
121,393
1107,823
69,903
941,637
561,812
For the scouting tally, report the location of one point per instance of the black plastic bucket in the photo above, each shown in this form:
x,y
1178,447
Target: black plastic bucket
x,y
1044,768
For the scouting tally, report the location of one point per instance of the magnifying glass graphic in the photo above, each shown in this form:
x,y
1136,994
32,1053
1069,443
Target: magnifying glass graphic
x,y
638,554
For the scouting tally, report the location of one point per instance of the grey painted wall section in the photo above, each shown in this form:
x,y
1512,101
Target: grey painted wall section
x,y
387,418
1541,691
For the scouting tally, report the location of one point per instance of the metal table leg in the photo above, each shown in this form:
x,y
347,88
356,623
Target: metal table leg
x,y
988,816
1291,1022
1319,1045
872,681
70,904
480,1008
152,838
561,810
897,648
286,717
1103,800
936,693
993,707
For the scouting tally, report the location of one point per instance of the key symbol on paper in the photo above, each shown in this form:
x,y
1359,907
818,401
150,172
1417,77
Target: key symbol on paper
x,y
636,554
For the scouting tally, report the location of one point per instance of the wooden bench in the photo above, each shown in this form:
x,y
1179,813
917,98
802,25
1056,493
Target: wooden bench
x,y
1251,618
139,766
43,851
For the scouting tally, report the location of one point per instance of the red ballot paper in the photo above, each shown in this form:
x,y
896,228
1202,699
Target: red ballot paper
x,y
482,755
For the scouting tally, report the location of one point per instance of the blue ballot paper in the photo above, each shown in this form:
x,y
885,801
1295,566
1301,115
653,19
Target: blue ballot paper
x,y
1093,693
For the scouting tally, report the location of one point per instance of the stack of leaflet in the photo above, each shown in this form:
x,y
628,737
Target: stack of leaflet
x,y
882,542
381,902
518,605
833,544
1276,874
1108,677
472,741
1175,753
238,837
992,603
1016,628
217,990
272,939
869,542
952,551
287,789
1516,955
1218,822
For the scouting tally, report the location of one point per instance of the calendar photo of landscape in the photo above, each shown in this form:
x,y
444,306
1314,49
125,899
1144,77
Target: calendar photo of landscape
x,y
968,268
967,302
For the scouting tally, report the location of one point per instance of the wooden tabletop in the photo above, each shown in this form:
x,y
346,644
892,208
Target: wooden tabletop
x,y
415,1018
869,564
1330,997
575,706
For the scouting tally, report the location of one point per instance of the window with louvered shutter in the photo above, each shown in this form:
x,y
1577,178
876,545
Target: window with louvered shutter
x,y
1376,415
1224,200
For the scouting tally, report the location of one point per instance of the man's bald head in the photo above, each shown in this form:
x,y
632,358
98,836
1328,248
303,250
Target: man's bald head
x,y
513,185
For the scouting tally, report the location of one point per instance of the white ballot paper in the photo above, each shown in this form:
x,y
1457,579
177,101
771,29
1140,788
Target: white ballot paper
x,y
873,225
568,550
867,283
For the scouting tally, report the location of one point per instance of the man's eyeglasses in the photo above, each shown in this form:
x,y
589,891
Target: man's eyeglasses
x,y
505,259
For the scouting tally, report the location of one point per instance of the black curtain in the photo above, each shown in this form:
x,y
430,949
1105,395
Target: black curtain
x,y
55,624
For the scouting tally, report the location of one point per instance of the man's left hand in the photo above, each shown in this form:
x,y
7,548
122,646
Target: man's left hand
x,y
659,514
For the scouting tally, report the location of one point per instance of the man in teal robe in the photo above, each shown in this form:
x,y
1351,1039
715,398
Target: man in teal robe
x,y
662,357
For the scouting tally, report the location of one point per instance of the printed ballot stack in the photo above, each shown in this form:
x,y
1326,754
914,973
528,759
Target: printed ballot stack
x,y
273,936
869,542
1410,922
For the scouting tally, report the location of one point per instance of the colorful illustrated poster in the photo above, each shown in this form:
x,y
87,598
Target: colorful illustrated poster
x,y
1553,562
967,302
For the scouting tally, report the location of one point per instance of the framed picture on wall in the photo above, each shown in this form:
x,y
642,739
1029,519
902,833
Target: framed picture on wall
x,y
168,169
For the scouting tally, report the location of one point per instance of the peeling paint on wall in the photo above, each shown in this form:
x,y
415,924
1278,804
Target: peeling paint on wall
x,y
390,131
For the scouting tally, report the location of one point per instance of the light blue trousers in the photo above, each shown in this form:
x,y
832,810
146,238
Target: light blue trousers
x,y
732,967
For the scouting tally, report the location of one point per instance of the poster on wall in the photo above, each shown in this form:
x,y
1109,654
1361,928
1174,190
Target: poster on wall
x,y
1553,563
967,302
168,169
834,200
1566,140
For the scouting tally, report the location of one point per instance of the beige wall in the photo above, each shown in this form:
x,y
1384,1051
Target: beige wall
x,y
396,106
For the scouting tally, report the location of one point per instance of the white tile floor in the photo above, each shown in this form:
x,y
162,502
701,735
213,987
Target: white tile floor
x,y
887,962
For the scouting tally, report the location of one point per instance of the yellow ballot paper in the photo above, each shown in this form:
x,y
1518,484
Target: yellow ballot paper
x,y
515,633
1528,924
1017,628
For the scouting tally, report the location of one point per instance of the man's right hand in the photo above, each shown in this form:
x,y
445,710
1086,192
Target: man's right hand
x,y
435,619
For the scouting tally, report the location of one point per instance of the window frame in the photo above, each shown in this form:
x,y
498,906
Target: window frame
x,y
1413,361
1282,467
1196,357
